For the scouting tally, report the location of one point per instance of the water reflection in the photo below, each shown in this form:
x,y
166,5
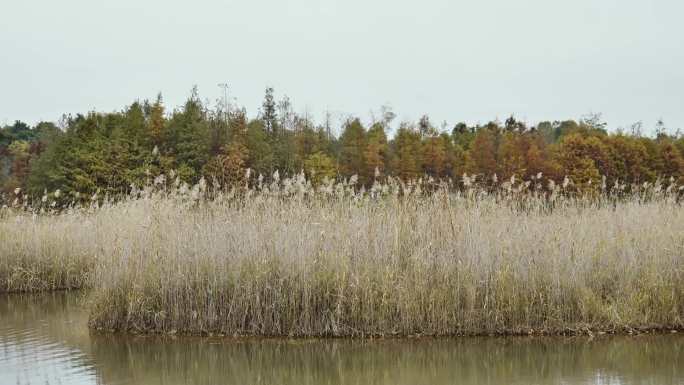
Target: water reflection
x,y
43,339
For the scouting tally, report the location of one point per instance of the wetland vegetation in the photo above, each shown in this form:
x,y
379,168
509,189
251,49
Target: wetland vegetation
x,y
203,221
399,259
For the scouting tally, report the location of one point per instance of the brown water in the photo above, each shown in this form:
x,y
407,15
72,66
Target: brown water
x,y
44,340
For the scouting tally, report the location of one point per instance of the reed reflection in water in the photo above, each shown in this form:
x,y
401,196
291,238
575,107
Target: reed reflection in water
x,y
44,340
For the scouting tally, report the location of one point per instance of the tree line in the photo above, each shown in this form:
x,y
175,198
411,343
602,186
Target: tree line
x,y
108,153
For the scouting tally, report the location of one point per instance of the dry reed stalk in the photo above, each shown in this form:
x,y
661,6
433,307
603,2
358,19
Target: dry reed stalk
x,y
288,260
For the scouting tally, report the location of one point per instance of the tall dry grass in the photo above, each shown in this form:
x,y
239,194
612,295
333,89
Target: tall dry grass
x,y
288,260
42,253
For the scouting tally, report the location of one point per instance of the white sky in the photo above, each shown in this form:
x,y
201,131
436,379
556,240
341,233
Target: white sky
x,y
455,60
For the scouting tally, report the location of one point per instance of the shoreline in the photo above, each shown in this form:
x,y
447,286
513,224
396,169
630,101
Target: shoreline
x,y
589,333
302,262
568,332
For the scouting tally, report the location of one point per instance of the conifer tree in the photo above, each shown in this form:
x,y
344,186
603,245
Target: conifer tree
x,y
375,152
156,122
482,159
353,142
269,113
406,153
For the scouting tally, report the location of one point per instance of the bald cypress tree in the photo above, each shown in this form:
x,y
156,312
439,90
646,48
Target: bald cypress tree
x,y
353,142
375,152
406,153
482,154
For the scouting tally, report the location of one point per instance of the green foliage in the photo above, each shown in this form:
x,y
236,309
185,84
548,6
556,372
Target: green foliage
x,y
353,142
320,166
110,152
20,145
270,117
462,135
229,166
262,160
188,140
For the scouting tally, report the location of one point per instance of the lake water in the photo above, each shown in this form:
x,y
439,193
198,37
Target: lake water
x,y
44,340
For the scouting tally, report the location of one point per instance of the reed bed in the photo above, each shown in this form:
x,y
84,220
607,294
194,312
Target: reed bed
x,y
287,259
45,253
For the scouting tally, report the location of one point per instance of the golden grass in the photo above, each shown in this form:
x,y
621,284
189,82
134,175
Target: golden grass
x,y
290,260
42,253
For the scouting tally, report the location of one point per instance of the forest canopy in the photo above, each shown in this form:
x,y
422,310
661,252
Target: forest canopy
x,y
109,153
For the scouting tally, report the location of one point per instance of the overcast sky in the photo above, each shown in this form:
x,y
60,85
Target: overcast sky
x,y
455,60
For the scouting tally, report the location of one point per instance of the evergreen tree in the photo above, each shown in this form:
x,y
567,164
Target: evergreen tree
x,y
269,114
425,127
462,135
188,139
109,152
156,122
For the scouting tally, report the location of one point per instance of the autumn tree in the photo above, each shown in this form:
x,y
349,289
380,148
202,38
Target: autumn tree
x,y
109,152
537,162
375,152
319,166
672,162
576,164
482,154
229,167
434,157
353,145
19,153
456,158
629,156
664,158
512,154
406,153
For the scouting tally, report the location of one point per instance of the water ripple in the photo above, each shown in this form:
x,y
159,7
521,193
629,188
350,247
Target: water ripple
x,y
45,341
30,353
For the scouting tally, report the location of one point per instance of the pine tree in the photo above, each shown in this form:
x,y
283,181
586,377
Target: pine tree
x,y
187,139
425,128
